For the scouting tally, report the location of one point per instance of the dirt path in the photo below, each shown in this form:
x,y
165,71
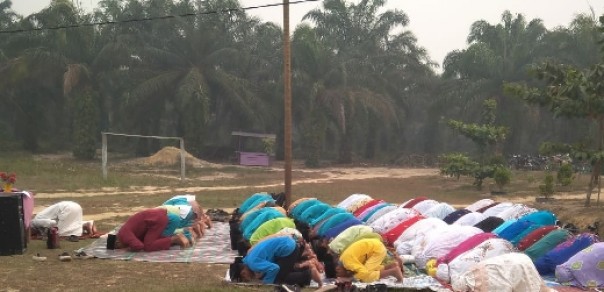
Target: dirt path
x,y
332,174
568,206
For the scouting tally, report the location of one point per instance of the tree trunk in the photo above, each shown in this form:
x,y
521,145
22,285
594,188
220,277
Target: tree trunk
x,y
592,182
370,143
345,149
595,171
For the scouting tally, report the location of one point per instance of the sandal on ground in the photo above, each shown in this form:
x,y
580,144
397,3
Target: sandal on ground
x,y
65,257
83,255
39,258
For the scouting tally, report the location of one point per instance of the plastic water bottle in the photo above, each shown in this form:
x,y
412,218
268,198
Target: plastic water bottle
x,y
52,239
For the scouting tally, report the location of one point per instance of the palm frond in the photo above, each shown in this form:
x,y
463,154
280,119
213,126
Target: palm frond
x,y
74,74
159,83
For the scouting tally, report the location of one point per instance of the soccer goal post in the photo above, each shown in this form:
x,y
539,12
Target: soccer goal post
x,y
104,150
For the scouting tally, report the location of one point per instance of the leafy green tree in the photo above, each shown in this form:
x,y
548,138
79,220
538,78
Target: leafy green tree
x,y
502,176
457,165
547,188
571,93
565,174
486,137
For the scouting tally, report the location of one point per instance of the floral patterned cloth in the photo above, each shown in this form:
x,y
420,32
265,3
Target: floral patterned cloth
x,y
546,265
516,211
585,269
351,200
459,265
506,272
380,213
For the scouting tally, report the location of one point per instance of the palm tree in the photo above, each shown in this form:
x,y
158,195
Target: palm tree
x,y
497,54
360,40
187,81
35,72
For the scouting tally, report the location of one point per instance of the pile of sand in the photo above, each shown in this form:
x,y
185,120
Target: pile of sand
x,y
169,156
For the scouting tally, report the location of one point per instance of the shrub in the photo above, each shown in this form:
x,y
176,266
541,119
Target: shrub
x,y
502,176
565,174
547,189
457,164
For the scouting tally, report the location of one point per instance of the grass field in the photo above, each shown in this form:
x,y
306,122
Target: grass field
x,y
130,187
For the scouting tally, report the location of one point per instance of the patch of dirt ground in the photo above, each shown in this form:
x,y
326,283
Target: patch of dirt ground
x,y
568,206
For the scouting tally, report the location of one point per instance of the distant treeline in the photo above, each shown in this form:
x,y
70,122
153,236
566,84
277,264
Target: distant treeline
x,y
363,89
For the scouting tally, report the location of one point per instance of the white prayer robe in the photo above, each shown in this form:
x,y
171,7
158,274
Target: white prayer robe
x,y
405,242
438,244
470,219
511,272
392,219
66,215
487,249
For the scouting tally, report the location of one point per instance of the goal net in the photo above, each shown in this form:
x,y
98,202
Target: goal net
x,y
104,152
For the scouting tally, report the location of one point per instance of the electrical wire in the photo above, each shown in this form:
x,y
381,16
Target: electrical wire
x,y
164,17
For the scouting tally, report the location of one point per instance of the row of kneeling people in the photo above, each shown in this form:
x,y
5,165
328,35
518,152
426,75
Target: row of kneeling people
x,y
370,239
179,221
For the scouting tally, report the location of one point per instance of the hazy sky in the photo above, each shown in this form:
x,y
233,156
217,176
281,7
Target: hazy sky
x,y
439,25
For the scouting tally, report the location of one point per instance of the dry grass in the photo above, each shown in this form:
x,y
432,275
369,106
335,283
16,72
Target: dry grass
x,y
129,188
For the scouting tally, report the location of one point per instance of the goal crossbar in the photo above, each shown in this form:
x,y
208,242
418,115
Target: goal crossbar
x,y
104,150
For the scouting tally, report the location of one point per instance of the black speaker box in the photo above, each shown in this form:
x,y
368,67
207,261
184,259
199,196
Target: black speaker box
x,y
12,233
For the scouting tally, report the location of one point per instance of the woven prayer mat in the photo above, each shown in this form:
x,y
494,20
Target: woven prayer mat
x,y
213,248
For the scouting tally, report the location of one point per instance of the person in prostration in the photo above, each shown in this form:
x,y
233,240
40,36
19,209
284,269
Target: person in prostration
x,y
276,260
67,216
367,260
152,230
190,212
585,269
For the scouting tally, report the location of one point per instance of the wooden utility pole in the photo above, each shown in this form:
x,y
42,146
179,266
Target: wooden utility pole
x,y
287,111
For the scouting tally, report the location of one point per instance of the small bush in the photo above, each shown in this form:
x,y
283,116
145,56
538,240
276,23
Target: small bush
x,y
565,174
502,176
457,164
547,189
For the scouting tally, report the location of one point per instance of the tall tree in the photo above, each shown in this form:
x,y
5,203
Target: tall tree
x,y
572,93
189,74
487,136
362,40
497,53
35,72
